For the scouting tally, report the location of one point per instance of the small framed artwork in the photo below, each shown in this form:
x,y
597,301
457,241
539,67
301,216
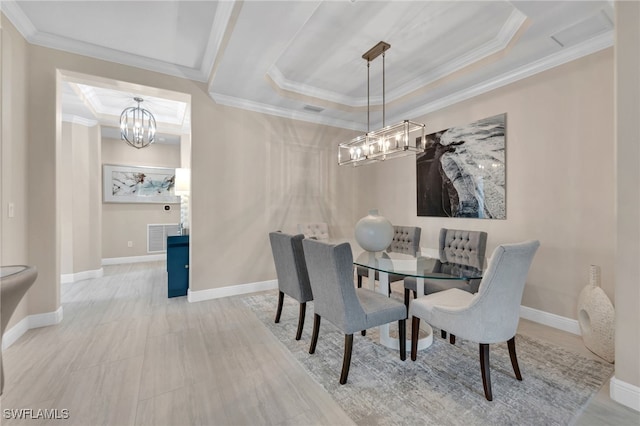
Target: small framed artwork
x,y
138,184
462,172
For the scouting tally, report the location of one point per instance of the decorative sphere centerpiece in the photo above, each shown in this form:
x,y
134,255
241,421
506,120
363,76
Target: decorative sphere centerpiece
x,y
374,232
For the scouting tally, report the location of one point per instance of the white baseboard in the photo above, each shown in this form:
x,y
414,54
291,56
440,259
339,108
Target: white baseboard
x,y
134,259
29,322
79,276
552,320
625,393
232,290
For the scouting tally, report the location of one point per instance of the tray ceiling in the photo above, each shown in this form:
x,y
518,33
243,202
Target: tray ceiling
x,y
302,59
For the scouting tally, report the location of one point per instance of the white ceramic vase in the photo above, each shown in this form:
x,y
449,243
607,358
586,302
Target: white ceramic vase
x,y
374,232
596,318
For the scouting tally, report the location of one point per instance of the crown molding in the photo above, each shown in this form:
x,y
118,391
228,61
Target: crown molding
x,y
116,56
508,31
14,13
591,46
51,41
76,119
314,92
224,10
283,112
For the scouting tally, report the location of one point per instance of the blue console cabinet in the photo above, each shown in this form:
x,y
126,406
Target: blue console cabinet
x,y
178,265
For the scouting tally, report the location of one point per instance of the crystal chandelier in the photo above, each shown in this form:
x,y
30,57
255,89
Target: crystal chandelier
x,y
137,126
388,142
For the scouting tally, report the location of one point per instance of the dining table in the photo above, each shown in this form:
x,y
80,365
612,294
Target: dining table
x,y
408,264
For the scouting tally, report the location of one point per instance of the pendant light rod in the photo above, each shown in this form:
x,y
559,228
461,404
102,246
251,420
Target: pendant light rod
x,y
370,55
368,106
383,89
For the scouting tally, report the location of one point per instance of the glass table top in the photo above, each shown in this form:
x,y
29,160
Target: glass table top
x,y
418,266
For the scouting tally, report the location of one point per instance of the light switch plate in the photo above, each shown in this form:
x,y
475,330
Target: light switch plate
x,y
11,210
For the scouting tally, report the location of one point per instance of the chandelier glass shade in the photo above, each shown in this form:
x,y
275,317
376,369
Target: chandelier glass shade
x,y
137,126
396,140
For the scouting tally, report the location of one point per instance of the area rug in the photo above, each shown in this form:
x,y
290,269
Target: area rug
x,y
443,386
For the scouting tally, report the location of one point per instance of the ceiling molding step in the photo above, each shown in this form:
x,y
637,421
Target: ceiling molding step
x,y
594,45
24,26
19,20
76,119
224,9
111,55
283,112
500,42
326,95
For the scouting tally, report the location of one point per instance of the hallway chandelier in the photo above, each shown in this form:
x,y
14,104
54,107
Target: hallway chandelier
x,y
388,142
137,126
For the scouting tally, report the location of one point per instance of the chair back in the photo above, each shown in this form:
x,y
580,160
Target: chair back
x,y
463,248
291,268
319,231
331,277
500,292
406,239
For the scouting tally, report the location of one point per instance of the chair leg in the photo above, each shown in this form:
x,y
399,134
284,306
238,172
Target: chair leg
x,y
406,298
443,334
415,294
314,335
452,339
484,368
511,343
415,330
279,310
303,310
359,281
402,332
346,361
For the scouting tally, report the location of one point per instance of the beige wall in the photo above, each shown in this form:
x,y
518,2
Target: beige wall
x,y
124,222
13,154
253,174
627,298
560,178
81,205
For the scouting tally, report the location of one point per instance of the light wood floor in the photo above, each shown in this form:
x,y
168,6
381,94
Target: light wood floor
x,y
126,354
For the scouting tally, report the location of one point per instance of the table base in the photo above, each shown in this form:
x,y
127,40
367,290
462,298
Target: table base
x,y
386,339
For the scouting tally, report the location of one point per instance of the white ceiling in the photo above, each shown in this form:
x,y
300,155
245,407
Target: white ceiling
x,y
293,58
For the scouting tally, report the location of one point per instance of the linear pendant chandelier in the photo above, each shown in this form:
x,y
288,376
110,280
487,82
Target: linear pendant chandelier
x,y
388,142
137,126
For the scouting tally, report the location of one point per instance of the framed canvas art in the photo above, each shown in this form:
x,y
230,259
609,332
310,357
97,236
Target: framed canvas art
x,y
462,171
138,184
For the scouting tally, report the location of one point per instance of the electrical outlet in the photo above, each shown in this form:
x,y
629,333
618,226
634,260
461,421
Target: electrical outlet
x,y
11,210
129,243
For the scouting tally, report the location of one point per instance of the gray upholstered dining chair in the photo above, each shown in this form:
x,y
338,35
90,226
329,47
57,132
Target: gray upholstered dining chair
x,y
458,250
489,316
339,302
406,239
291,269
318,231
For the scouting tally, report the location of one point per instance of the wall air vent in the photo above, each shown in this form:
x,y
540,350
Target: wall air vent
x,y
313,108
595,25
157,236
